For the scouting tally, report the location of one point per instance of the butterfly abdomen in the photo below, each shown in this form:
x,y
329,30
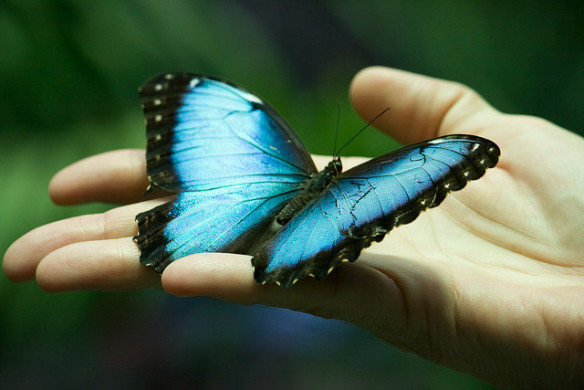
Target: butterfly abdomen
x,y
292,208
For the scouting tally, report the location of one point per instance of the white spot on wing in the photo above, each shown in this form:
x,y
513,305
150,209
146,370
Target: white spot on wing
x,y
194,82
158,87
250,97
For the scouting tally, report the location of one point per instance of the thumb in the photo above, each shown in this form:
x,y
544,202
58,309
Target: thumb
x,y
421,107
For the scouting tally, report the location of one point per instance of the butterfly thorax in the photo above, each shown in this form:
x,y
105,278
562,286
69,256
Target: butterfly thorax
x,y
311,188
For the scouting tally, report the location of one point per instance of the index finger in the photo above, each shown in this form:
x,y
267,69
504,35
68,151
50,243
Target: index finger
x,y
114,177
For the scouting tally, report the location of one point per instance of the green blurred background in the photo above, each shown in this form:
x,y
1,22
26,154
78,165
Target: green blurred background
x,y
69,73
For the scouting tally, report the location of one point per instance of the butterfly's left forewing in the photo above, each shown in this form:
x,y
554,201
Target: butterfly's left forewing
x,y
232,159
366,202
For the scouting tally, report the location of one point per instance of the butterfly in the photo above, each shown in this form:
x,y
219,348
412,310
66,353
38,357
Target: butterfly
x,y
245,184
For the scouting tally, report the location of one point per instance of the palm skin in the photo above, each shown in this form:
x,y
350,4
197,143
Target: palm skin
x,y
490,283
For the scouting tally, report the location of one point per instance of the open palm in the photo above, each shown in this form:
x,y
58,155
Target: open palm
x,y
490,283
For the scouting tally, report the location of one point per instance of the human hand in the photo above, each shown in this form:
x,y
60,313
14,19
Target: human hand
x,y
489,283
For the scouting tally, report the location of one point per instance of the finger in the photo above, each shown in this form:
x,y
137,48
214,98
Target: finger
x,y
95,265
24,255
421,107
351,292
348,162
116,177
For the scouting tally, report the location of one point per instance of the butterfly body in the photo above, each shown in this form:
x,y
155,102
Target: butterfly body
x,y
246,184
312,188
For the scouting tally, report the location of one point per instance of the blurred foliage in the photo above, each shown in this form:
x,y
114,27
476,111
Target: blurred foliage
x,y
69,73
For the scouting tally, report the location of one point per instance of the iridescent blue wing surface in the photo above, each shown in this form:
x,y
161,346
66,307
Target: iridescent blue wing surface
x,y
232,159
363,204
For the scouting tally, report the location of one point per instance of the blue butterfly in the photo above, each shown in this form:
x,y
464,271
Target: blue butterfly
x,y
246,184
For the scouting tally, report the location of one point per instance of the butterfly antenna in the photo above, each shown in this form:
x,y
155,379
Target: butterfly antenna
x,y
335,154
362,130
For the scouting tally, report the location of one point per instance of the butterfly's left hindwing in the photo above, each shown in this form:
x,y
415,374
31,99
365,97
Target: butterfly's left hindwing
x,y
234,161
366,202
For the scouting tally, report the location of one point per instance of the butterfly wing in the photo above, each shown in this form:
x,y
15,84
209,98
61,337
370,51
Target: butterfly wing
x,y
230,156
366,202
